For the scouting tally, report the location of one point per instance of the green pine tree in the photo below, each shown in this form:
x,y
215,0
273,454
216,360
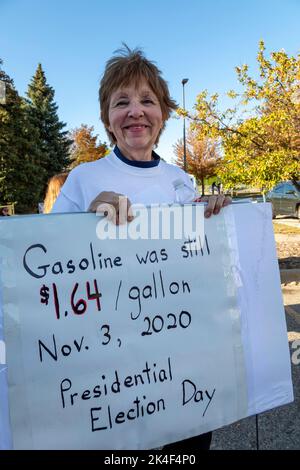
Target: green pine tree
x,y
54,143
20,176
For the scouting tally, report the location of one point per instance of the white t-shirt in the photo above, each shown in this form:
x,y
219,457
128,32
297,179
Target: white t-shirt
x,y
141,185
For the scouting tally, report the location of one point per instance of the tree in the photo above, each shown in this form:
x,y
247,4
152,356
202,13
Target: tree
x,y
261,148
202,155
85,147
42,110
19,153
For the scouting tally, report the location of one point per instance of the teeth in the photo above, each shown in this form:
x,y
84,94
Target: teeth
x,y
136,127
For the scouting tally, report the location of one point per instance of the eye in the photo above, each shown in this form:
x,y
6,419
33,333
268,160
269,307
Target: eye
x,y
121,103
147,101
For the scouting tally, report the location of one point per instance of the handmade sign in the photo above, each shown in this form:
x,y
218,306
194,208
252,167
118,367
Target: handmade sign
x,y
115,341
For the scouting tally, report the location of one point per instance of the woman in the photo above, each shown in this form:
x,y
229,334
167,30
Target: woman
x,y
135,105
53,189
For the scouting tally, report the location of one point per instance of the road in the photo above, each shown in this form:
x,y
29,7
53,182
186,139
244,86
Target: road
x,y
278,429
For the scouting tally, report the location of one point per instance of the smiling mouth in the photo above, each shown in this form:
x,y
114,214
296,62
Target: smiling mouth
x,y
136,127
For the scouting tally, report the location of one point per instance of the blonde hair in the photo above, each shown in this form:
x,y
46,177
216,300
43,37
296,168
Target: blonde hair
x,y
131,66
54,186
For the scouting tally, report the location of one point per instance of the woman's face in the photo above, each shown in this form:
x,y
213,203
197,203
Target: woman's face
x,y
135,119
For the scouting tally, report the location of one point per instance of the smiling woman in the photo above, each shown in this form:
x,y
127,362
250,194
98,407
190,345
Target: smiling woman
x,y
135,105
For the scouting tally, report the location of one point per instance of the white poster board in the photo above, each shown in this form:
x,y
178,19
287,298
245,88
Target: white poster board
x,y
132,344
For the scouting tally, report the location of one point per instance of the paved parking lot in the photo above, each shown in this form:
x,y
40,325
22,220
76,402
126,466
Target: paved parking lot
x,y
278,429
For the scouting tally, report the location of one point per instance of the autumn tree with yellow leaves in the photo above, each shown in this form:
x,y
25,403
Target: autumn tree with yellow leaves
x,y
202,155
85,147
260,132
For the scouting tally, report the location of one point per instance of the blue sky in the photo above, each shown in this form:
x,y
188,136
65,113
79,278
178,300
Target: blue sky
x,y
195,39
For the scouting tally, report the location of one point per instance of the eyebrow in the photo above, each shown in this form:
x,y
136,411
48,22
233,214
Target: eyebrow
x,y
121,94
147,92
124,94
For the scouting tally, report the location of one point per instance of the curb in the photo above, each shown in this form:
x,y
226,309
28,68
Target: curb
x,y
288,276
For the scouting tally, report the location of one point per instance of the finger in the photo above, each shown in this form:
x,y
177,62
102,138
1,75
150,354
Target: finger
x,y
93,206
106,197
227,201
130,214
125,212
203,199
108,210
112,214
210,206
219,204
123,209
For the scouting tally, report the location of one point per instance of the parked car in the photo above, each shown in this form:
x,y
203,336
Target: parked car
x,y
285,199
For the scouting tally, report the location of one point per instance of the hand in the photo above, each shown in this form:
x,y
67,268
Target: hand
x,y
116,207
214,203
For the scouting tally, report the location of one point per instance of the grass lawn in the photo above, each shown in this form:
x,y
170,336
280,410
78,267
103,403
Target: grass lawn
x,y
280,228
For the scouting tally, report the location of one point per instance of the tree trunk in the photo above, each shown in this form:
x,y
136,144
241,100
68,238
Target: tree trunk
x,y
202,186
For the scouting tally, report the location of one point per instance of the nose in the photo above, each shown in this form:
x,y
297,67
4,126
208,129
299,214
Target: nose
x,y
135,110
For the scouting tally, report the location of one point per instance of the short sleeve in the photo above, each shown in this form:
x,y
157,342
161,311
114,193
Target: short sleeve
x,y
64,204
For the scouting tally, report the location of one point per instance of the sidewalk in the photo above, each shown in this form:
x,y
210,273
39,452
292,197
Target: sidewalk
x,y
279,428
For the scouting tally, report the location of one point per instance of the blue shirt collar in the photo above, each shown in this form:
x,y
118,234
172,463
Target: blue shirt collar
x,y
154,162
